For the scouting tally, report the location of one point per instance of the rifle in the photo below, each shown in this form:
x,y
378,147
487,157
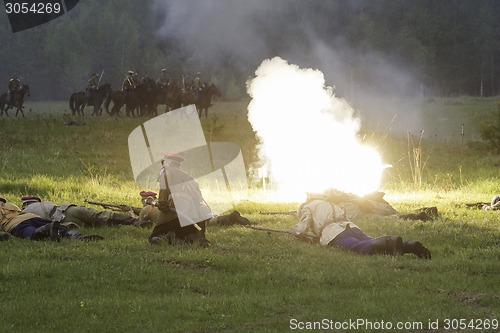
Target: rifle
x,y
100,77
116,207
477,205
309,239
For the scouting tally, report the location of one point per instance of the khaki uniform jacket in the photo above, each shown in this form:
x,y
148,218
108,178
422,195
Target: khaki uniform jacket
x,y
128,84
48,210
149,213
92,84
14,84
322,220
11,216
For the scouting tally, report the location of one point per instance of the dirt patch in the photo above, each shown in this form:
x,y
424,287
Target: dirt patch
x,y
468,298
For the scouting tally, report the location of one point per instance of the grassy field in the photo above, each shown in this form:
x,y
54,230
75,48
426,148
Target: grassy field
x,y
250,281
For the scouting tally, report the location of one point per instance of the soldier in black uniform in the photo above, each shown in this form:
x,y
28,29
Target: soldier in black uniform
x,y
128,84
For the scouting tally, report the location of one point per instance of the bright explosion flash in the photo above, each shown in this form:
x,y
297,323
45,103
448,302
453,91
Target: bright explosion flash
x,y
309,137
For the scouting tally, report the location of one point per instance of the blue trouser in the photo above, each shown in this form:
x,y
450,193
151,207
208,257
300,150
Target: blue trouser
x,y
26,229
353,239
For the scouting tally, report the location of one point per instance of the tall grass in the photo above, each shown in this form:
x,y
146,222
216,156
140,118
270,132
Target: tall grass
x,y
247,281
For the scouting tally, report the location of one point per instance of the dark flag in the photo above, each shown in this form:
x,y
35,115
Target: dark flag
x,y
26,14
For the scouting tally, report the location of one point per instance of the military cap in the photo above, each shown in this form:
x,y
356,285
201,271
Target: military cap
x,y
30,198
172,157
3,200
146,194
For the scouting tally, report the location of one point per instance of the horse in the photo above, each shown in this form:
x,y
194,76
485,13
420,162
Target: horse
x,y
147,92
205,99
118,98
201,99
18,100
78,100
170,95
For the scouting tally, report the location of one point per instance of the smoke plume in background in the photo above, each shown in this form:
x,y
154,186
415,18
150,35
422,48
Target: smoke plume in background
x,y
229,39
308,136
221,36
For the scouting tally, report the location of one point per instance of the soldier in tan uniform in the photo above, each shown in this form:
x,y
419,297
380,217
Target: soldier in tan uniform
x,y
163,80
92,86
328,223
198,84
151,213
3,235
28,225
128,84
81,215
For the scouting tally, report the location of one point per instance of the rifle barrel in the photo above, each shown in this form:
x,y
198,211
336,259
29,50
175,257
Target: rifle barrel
x,y
284,231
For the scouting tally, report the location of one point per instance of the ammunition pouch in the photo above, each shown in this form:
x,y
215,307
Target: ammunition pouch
x,y
58,213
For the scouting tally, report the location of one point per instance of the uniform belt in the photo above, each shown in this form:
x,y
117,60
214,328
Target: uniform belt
x,y
52,212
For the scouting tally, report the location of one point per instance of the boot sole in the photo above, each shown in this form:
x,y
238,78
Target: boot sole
x,y
54,232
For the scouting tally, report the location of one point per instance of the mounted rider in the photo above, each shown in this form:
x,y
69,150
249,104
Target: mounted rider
x,y
129,84
198,84
92,86
135,78
187,82
13,87
164,79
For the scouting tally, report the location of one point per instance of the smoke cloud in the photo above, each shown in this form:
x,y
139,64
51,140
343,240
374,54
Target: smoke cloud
x,y
308,135
232,37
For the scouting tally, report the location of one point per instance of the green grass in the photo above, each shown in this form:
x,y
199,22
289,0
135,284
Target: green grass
x,y
247,281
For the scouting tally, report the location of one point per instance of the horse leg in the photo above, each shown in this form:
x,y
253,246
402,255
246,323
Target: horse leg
x,y
17,111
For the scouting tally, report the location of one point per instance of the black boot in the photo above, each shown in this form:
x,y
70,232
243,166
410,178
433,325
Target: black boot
x,y
387,245
49,230
422,216
72,234
233,218
238,219
4,236
169,238
224,220
198,238
416,248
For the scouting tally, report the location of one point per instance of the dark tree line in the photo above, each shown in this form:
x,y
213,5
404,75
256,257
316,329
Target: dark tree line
x,y
452,47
